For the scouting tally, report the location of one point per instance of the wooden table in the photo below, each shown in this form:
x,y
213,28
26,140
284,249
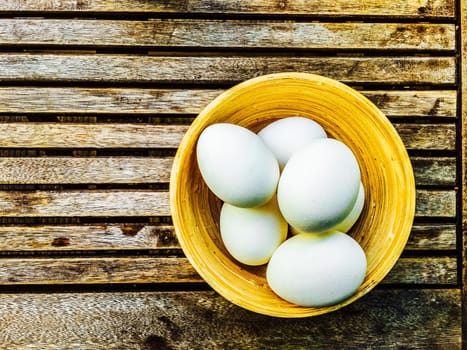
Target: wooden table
x,y
95,96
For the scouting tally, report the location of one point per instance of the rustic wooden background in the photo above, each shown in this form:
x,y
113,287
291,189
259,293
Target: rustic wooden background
x,y
95,96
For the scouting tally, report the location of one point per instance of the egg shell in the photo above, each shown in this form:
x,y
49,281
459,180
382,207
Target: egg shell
x,y
346,224
286,136
236,165
251,235
319,186
317,270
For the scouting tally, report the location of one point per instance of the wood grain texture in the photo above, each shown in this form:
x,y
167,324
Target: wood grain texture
x,y
431,171
158,320
40,135
14,271
434,171
435,203
228,34
69,170
92,203
124,100
50,135
439,270
113,100
134,236
432,237
88,237
379,8
428,136
435,103
402,103
96,270
222,70
393,316
84,203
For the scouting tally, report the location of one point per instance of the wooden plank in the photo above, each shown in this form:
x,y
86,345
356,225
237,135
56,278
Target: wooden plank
x,y
435,203
45,135
222,70
463,154
69,170
95,203
50,135
88,237
96,270
402,103
433,103
160,320
428,136
228,34
125,100
15,271
437,270
432,237
132,236
124,170
434,171
84,203
380,8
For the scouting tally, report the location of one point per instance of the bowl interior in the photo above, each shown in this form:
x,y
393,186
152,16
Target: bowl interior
x,y
383,227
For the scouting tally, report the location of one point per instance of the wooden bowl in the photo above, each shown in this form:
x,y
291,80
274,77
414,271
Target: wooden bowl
x,y
383,227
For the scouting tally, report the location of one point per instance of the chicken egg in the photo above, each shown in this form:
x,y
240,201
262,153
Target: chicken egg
x,y
319,186
286,136
251,235
317,270
346,224
236,165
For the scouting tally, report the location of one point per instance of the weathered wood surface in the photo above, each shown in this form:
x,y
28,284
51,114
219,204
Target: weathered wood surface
x,y
439,171
402,103
437,270
431,103
432,237
221,70
69,203
113,237
85,203
46,135
78,270
135,236
378,8
139,170
95,97
463,154
184,320
435,203
102,170
139,135
427,136
97,270
228,34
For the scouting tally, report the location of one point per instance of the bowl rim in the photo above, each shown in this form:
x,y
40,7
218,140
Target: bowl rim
x,y
204,271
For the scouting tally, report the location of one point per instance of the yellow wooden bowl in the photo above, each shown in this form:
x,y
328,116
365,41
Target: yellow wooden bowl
x,y
345,114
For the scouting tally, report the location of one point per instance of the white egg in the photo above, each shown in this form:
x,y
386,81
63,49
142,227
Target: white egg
x,y
317,270
346,224
288,135
251,235
236,165
319,186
